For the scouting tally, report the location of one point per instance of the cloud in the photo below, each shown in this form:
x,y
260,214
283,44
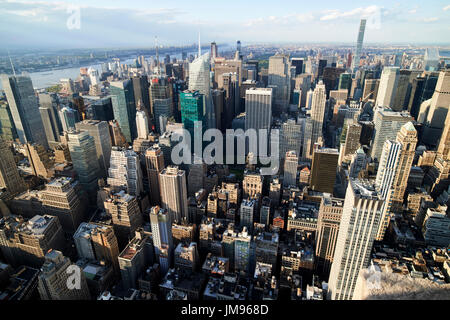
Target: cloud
x,y
290,19
446,8
432,19
358,12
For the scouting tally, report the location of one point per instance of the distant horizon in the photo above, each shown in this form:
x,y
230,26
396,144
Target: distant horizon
x,y
441,46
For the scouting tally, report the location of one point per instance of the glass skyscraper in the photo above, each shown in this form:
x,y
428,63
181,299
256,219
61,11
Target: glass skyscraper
x,y
24,109
124,107
191,103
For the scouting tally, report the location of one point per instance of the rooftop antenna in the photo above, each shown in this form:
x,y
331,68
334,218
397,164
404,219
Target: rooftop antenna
x,y
199,46
157,56
12,64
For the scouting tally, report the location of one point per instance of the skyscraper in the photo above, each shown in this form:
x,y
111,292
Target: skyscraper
x,y
24,108
125,215
192,108
387,124
246,213
407,137
323,170
99,130
319,100
125,171
387,87
161,223
279,80
359,226
242,248
258,108
60,199
50,119
362,28
124,107
199,80
154,159
161,100
291,137
387,169
328,222
95,241
174,192
290,169
68,118
9,174
142,125
84,158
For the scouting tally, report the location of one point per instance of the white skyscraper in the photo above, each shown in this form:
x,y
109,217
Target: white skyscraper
x,y
387,87
174,192
93,76
387,124
258,108
290,169
142,124
291,136
319,100
125,172
359,226
199,79
387,167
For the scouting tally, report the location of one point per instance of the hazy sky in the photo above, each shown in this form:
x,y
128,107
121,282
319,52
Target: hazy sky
x,y
118,23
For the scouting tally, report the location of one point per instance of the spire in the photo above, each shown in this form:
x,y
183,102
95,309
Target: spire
x,y
12,65
157,56
199,46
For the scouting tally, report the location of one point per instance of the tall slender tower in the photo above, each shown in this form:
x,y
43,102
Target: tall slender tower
x,y
359,226
84,159
407,137
154,159
174,192
199,79
24,107
319,99
359,44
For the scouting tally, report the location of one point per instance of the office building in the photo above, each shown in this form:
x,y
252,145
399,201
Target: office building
x,y
173,190
125,171
154,159
125,215
27,242
98,242
246,213
388,86
84,159
135,258
9,174
199,80
290,169
323,170
56,275
99,130
360,220
24,108
387,124
161,224
258,109
124,107
330,214
60,199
